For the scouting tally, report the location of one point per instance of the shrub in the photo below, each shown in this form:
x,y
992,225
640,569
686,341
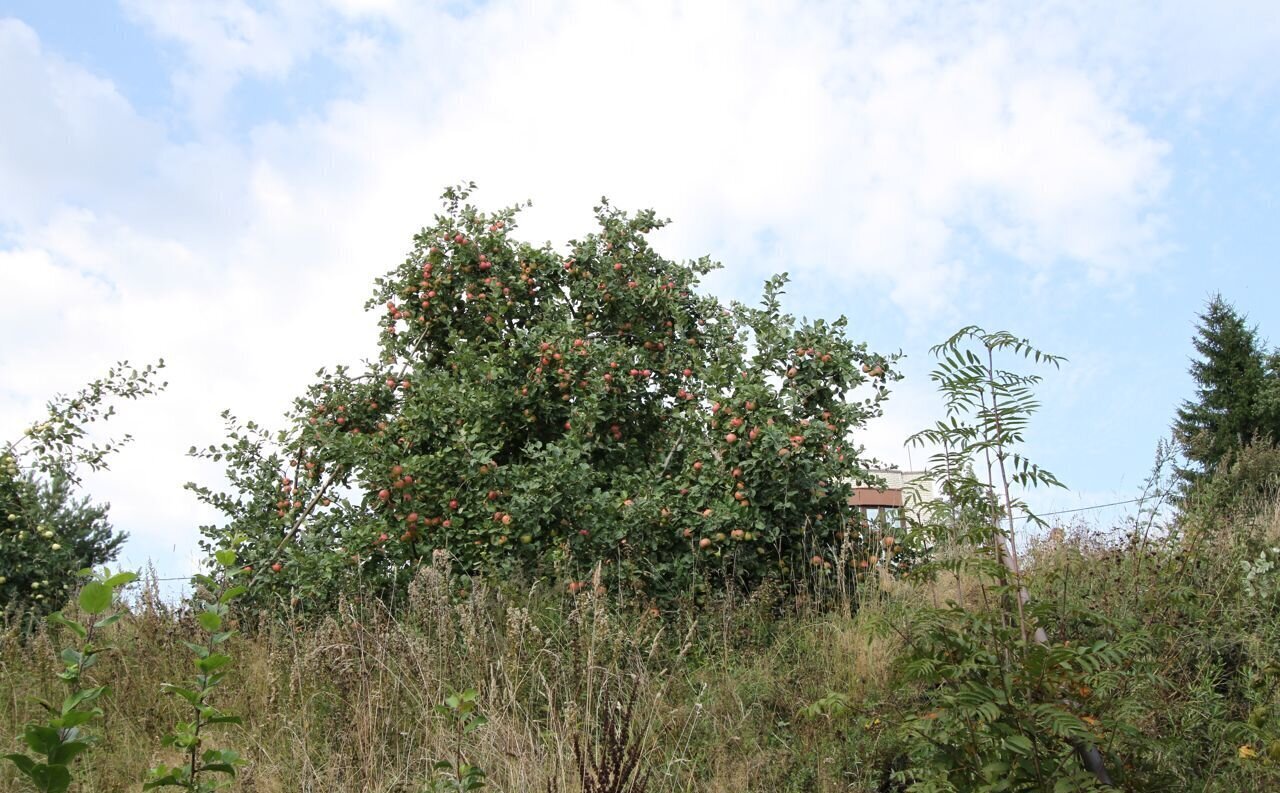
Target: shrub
x,y
1001,703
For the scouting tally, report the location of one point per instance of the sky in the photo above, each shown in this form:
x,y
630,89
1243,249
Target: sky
x,y
218,184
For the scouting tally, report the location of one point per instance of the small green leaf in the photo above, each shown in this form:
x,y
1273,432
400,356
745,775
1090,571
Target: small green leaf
x,y
68,752
23,762
43,740
224,720
56,618
200,651
108,621
95,598
80,697
79,717
213,662
226,557
209,621
1019,744
121,579
193,697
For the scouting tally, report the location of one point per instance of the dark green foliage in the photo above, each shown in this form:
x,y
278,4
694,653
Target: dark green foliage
x,y
52,534
534,412
1237,398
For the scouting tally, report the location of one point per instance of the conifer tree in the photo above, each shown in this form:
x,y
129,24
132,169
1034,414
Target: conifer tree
x,y
1237,394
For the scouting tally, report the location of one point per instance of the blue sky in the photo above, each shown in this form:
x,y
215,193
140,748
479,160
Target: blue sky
x,y
218,183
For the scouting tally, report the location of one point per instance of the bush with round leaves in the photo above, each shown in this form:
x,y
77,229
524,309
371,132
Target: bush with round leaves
x,y
536,411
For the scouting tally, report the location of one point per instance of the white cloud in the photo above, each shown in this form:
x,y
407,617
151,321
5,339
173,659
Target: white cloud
x,y
69,136
878,144
224,41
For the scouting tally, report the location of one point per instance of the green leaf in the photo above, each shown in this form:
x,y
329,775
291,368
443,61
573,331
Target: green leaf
x,y
213,662
233,593
226,557
224,720
23,762
43,740
121,579
80,697
95,598
209,620
165,778
56,618
50,778
193,697
108,621
76,718
68,752
199,650
1019,744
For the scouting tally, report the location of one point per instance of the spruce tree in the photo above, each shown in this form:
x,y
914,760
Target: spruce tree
x,y
1269,399
1233,404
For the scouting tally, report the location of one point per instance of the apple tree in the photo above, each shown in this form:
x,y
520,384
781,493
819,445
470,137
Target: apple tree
x,y
49,531
531,411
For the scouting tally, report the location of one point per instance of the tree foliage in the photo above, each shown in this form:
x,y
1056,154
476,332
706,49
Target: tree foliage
x,y
1237,399
48,530
536,411
995,715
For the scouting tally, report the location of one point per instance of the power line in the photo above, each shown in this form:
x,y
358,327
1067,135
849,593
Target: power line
x,y
1086,509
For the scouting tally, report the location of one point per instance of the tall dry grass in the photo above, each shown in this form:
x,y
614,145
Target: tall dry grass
x,y
347,702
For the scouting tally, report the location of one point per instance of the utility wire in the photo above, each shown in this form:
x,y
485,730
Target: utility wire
x,y
1086,509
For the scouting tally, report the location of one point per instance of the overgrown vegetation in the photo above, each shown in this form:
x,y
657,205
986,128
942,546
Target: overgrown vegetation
x,y
775,692
580,530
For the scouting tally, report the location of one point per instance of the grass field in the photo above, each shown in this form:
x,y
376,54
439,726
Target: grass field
x,y
781,691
